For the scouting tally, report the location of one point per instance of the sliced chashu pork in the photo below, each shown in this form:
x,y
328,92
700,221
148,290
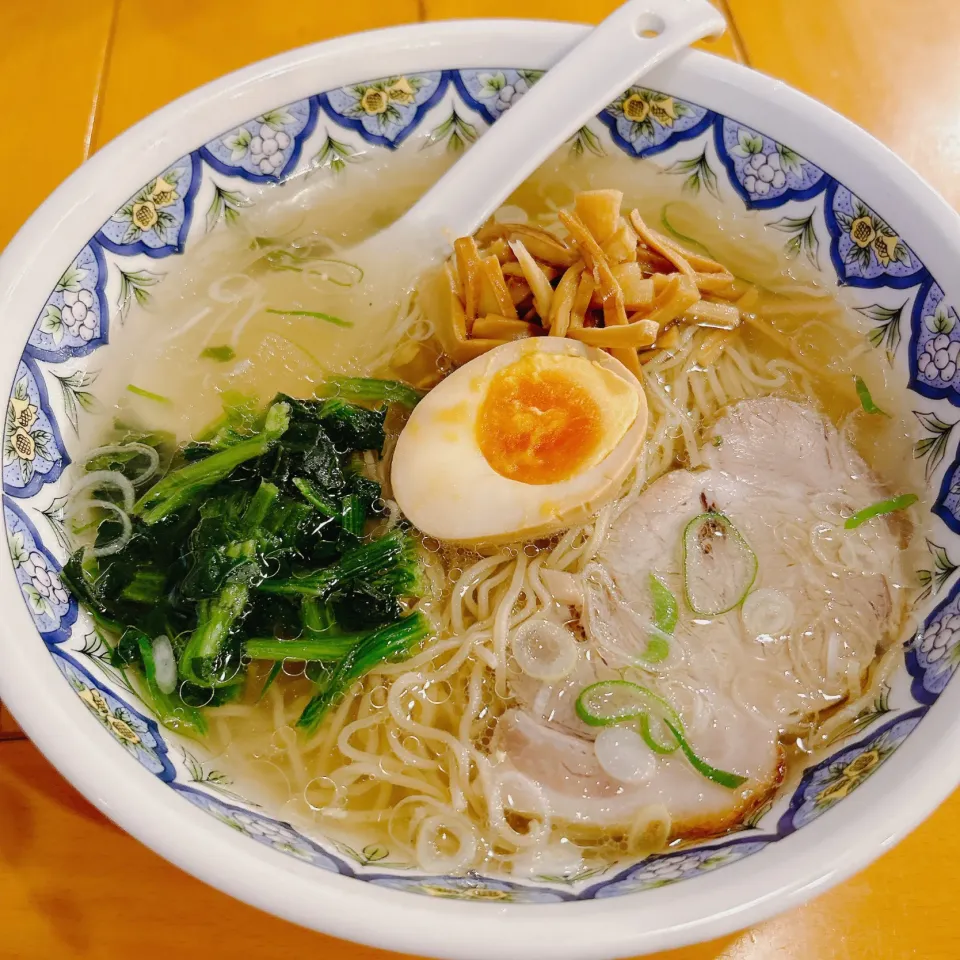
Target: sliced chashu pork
x,y
783,475
786,479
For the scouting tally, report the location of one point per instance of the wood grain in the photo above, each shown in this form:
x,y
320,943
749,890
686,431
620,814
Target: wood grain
x,y
8,726
52,58
578,11
891,67
208,39
73,886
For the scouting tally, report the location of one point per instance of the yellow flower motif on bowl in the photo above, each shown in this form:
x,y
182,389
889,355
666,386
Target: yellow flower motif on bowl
x,y
144,214
122,730
863,764
849,777
867,233
374,101
862,231
96,701
163,193
885,247
22,412
24,444
641,107
400,91
664,111
465,893
635,108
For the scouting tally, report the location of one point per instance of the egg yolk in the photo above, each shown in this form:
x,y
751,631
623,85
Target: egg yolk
x,y
538,424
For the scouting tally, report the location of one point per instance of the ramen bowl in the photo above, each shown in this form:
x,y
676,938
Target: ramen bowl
x,y
102,245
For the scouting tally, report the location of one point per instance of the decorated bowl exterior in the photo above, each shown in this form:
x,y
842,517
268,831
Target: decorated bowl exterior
x,y
717,144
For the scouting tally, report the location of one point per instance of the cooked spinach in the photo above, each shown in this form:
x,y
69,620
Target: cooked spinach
x,y
258,543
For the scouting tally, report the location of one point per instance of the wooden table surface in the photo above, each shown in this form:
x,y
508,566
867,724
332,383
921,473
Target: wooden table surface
x,y
73,76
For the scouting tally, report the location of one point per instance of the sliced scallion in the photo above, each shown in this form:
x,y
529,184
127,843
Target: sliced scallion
x,y
665,613
879,509
221,354
354,271
147,394
687,241
313,314
304,263
866,401
725,779
719,566
612,702
657,745
617,701
657,650
167,704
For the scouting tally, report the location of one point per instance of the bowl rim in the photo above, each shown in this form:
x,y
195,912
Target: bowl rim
x,y
905,790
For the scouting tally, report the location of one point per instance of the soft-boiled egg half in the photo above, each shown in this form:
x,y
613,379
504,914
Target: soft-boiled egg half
x,y
531,437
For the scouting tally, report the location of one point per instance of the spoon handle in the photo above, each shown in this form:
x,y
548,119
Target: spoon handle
x,y
634,39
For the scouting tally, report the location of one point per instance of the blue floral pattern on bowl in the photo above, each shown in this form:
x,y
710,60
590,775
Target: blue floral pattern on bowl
x,y
826,784
866,250
388,110
491,92
155,220
73,321
37,572
665,869
643,122
33,452
471,887
947,505
137,734
272,833
265,148
765,173
935,346
934,656
733,162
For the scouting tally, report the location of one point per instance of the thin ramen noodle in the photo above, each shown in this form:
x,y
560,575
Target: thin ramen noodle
x,y
437,754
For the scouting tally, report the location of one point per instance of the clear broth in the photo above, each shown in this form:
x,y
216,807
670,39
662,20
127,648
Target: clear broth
x,y
282,255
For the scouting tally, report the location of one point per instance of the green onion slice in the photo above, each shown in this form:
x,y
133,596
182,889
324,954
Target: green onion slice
x,y
221,354
665,612
657,650
866,401
725,779
657,743
302,262
719,566
610,702
688,241
879,509
147,394
616,701
313,314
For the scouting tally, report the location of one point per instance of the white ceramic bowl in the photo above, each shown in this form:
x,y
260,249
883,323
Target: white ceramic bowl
x,y
822,171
